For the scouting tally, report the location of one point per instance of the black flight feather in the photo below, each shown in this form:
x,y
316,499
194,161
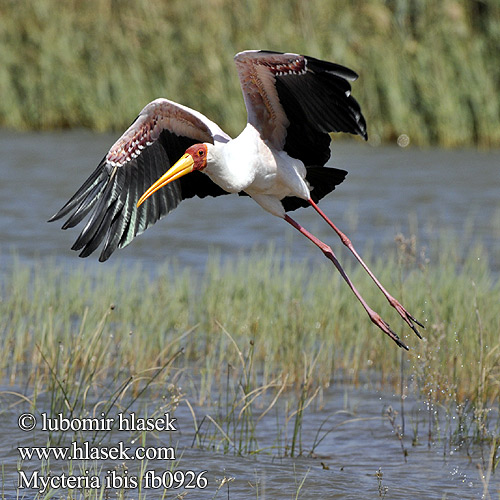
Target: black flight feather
x,y
317,103
109,196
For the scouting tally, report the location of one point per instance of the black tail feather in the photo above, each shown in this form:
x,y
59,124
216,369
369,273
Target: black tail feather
x,y
322,181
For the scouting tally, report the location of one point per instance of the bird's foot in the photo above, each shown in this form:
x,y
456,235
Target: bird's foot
x,y
409,319
384,326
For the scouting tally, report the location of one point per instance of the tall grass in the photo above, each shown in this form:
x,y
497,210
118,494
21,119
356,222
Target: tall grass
x,y
428,69
126,321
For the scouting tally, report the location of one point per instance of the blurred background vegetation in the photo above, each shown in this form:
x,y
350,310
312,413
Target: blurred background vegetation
x,y
429,69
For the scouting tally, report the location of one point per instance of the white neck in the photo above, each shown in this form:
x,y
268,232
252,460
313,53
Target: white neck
x,y
231,164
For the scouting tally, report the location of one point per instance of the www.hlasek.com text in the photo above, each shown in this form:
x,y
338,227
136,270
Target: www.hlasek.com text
x,y
85,451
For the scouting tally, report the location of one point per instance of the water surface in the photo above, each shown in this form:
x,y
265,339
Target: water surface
x,y
386,188
358,441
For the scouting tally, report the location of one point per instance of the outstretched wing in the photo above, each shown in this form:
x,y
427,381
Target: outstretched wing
x,y
295,101
155,141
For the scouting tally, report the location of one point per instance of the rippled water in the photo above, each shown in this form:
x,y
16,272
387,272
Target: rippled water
x,y
386,188
358,441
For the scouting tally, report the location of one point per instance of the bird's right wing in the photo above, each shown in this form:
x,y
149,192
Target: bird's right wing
x,y
296,101
154,142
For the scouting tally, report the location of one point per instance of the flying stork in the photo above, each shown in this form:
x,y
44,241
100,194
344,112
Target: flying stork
x,y
293,103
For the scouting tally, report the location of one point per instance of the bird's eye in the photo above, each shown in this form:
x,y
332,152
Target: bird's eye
x,y
201,152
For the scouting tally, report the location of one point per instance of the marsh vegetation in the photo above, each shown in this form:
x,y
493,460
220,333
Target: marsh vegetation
x,y
428,69
276,323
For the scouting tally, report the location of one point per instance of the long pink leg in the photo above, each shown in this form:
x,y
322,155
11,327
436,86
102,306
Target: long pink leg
x,y
410,320
328,252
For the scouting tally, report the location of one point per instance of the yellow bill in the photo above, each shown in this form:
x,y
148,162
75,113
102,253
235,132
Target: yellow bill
x,y
182,167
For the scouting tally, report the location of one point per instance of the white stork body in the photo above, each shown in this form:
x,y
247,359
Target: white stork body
x,y
293,103
264,173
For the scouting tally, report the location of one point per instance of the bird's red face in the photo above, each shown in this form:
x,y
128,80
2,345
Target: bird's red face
x,y
195,158
198,153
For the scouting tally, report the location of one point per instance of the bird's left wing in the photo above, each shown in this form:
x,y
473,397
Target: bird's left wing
x,y
156,140
295,101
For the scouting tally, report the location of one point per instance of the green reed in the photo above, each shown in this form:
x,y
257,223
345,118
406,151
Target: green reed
x,y
428,69
94,326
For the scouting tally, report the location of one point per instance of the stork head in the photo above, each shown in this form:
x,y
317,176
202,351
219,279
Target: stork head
x,y
195,158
